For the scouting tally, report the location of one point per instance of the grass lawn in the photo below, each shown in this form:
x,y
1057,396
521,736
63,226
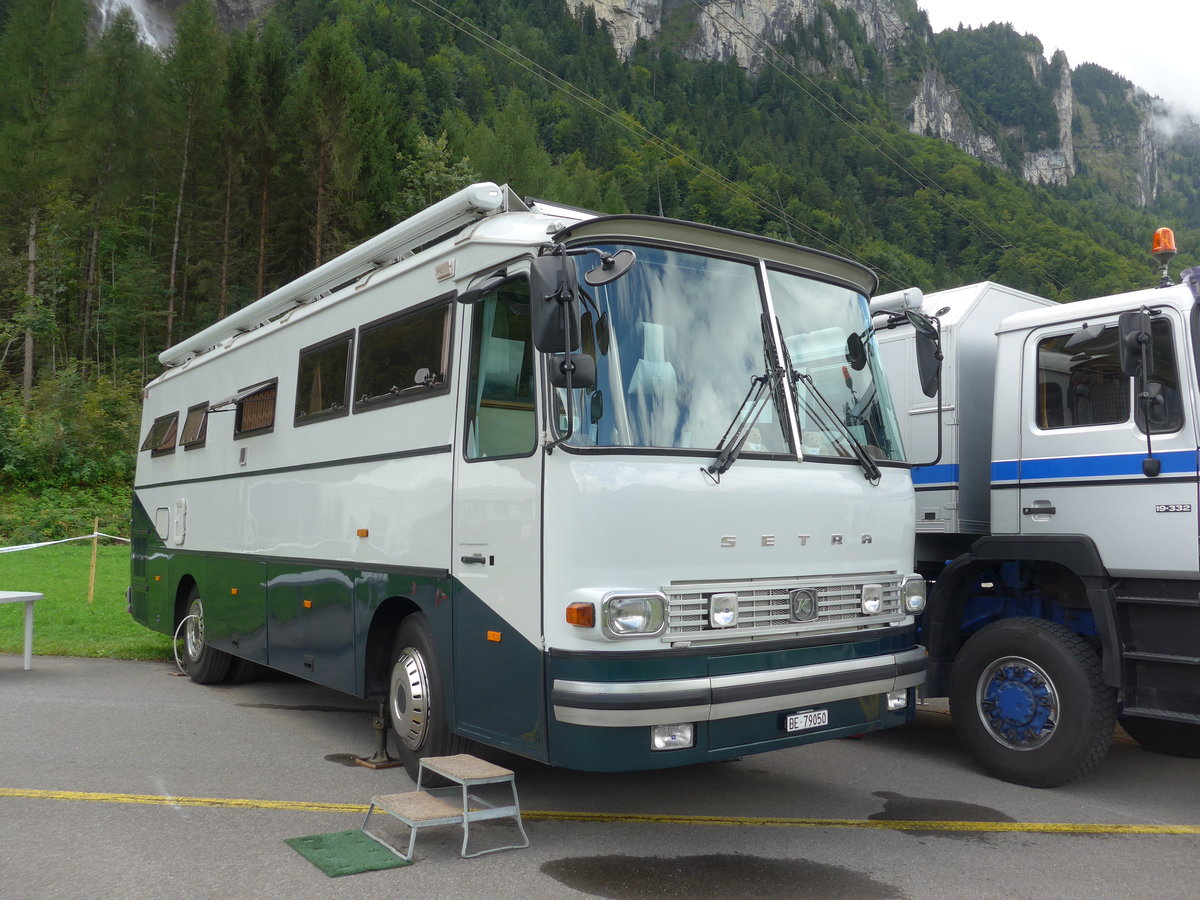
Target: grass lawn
x,y
64,624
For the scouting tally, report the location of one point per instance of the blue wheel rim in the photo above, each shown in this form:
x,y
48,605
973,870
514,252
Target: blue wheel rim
x,y
1017,703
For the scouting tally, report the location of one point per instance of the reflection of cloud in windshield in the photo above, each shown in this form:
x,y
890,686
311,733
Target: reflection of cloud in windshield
x,y
686,373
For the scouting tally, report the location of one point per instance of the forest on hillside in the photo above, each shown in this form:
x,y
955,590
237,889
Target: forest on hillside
x,y
146,195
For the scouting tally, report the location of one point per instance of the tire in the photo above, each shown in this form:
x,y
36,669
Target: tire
x,y
416,699
1028,700
242,670
1163,736
203,663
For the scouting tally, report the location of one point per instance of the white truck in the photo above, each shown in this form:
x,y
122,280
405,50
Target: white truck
x,y
1057,520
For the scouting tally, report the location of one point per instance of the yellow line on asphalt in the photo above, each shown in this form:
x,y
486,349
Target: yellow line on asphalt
x,y
642,818
160,800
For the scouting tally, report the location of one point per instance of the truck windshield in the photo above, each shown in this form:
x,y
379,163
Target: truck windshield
x,y
815,320
679,342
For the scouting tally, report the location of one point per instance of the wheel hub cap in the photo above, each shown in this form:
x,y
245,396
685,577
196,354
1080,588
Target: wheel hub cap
x,y
410,699
1018,703
194,631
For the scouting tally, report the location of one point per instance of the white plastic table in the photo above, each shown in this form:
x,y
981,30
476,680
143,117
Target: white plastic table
x,y
28,599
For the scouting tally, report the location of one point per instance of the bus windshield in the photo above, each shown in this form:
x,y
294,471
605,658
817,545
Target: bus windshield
x,y
834,399
678,342
682,339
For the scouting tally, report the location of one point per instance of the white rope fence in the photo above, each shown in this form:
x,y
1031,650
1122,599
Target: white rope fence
x,y
94,537
84,537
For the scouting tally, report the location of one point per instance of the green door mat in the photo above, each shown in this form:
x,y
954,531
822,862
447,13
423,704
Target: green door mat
x,y
345,853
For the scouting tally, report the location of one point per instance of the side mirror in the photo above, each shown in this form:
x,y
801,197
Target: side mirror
x,y
1134,328
1085,335
611,268
856,352
929,351
552,309
583,375
929,363
491,283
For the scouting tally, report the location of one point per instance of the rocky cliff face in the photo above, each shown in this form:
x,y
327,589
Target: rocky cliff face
x,y
1056,165
739,29
156,18
1128,161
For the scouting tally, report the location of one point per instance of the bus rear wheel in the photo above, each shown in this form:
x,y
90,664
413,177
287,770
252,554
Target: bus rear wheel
x,y
204,663
416,699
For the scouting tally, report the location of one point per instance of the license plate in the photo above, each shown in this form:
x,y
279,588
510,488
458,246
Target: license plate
x,y
802,721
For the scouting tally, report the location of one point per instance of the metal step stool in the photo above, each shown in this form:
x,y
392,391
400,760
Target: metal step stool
x,y
423,808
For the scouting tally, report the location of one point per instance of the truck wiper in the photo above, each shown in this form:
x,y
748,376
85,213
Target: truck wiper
x,y
752,405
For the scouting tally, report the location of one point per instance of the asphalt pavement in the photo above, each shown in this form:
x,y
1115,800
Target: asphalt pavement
x,y
123,779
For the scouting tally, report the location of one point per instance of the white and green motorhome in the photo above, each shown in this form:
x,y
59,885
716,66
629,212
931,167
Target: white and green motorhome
x,y
610,492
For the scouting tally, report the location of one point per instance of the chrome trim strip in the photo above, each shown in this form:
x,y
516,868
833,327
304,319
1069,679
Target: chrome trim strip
x,y
626,704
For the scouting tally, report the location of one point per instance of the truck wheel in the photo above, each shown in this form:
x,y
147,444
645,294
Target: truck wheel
x,y
1162,736
415,699
1028,700
204,664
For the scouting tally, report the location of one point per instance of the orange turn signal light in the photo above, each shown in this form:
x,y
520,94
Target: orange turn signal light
x,y
1164,242
363,532
582,614
493,636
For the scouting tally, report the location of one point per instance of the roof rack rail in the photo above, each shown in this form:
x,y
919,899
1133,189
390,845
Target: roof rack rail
x,y
403,239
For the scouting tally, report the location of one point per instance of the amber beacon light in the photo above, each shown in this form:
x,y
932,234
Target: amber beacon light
x,y
1163,251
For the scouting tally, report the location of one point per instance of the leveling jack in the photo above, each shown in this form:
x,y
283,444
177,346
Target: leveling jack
x,y
380,759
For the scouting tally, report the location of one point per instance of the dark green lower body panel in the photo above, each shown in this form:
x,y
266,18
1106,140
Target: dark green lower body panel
x,y
849,681
628,749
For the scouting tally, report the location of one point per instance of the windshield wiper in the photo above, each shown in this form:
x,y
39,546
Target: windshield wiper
x,y
755,401
762,390
870,469
826,411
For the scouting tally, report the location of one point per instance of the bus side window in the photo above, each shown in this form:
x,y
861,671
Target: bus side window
x,y
500,414
323,380
256,411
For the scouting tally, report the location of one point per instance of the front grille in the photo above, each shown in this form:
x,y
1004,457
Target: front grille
x,y
764,608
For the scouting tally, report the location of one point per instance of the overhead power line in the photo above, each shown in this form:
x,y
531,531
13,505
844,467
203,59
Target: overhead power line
x,y
626,121
877,138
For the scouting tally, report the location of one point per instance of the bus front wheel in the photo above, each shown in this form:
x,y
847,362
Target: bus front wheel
x,y
416,698
204,663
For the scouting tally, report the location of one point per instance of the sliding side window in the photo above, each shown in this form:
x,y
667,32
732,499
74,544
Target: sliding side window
x,y
323,380
404,357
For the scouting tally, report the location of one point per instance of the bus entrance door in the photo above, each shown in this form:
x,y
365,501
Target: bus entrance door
x,y
496,558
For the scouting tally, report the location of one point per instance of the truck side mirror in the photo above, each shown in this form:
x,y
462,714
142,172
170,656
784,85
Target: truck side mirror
x,y
553,312
1134,329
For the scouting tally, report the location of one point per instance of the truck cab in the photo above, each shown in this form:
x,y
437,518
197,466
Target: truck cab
x,y
1059,523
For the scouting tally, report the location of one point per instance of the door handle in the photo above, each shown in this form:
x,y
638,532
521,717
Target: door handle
x,y
1038,511
475,559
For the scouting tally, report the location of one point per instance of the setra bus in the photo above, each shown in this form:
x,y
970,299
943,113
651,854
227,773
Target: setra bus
x,y
609,492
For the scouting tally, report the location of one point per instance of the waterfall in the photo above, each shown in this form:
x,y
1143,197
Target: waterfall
x,y
154,31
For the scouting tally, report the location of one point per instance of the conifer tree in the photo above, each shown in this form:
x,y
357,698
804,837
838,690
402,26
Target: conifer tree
x,y
41,51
